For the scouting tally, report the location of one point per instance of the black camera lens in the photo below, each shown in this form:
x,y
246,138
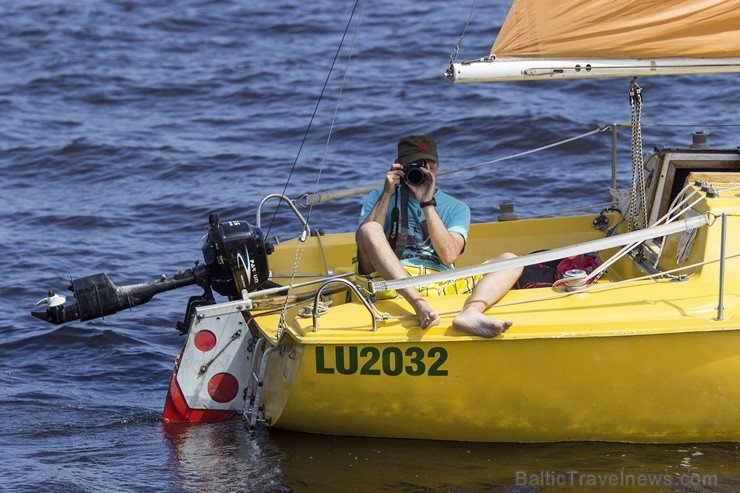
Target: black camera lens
x,y
413,173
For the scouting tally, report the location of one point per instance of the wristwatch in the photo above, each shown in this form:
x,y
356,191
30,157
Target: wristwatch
x,y
428,203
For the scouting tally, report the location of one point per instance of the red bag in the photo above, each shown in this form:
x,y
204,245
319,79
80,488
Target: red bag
x,y
546,273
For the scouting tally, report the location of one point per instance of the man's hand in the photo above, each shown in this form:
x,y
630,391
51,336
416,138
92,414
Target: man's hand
x,y
393,178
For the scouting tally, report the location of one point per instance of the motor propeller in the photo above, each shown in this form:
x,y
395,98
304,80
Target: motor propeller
x,y
53,299
235,254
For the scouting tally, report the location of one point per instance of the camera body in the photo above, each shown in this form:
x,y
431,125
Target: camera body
x,y
412,172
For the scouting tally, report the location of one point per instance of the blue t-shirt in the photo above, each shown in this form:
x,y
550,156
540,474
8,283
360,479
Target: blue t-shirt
x,y
419,250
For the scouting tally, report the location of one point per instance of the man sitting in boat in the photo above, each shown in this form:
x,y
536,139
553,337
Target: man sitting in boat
x,y
426,235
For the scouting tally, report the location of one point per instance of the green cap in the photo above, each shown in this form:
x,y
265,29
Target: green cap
x,y
414,147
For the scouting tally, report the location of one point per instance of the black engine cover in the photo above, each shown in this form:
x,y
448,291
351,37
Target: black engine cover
x,y
235,254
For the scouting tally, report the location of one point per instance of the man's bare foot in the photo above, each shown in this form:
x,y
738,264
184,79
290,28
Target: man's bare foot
x,y
427,316
478,324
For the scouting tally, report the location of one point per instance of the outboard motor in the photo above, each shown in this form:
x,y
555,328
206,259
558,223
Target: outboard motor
x,y
235,255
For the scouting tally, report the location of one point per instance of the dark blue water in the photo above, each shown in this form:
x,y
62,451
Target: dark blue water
x,y
123,124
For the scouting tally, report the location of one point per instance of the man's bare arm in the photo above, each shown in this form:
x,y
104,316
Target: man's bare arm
x,y
448,245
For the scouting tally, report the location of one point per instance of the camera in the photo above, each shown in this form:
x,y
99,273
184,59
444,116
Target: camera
x,y
412,172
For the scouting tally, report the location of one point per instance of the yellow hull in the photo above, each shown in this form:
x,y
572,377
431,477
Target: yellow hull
x,y
652,388
629,359
620,370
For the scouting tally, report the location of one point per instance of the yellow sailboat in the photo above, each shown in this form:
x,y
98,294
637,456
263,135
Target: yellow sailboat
x,y
644,348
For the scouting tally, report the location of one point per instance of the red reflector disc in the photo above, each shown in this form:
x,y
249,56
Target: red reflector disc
x,y
223,387
205,340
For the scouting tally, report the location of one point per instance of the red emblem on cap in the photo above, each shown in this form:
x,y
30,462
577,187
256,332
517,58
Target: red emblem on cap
x,y
422,147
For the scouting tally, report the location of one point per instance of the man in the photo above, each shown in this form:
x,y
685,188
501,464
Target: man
x,y
430,238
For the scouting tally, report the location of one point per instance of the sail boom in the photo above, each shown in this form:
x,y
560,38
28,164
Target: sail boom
x,y
508,70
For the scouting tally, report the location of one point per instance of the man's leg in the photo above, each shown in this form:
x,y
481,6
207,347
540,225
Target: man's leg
x,y
375,254
491,288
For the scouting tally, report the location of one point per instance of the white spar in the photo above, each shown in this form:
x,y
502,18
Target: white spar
x,y
539,257
517,69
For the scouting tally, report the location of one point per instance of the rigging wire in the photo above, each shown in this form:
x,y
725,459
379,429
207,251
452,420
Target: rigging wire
x,y
336,108
300,245
691,125
524,153
315,111
456,48
311,199
307,200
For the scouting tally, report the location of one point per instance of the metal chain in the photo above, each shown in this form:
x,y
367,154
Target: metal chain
x,y
300,247
638,206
